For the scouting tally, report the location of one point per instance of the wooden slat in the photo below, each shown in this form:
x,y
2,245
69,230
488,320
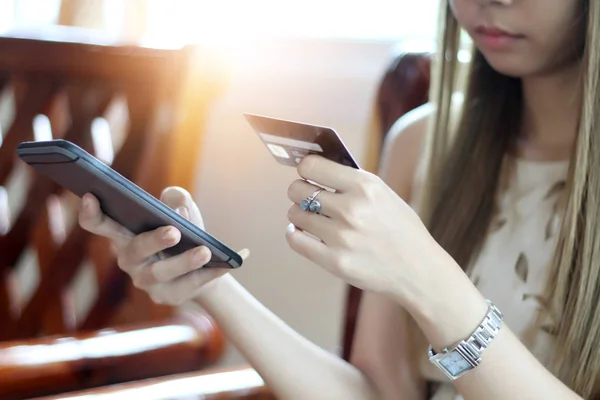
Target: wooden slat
x,y
142,104
65,263
13,245
4,81
59,114
37,98
5,303
113,290
241,383
46,246
352,306
57,364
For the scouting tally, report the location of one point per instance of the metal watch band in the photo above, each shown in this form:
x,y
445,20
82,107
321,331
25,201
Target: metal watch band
x,y
466,355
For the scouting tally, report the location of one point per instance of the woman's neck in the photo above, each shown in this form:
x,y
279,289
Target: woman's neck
x,y
551,110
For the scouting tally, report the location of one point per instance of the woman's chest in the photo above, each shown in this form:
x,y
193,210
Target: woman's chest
x,y
513,266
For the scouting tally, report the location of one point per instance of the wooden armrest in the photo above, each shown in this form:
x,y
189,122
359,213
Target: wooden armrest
x,y
85,53
241,383
53,365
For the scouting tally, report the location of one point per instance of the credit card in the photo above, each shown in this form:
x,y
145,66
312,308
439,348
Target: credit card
x,y
290,141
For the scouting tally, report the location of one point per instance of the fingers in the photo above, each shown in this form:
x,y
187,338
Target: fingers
x,y
176,267
169,281
181,201
146,245
307,246
179,278
186,287
328,173
93,220
169,269
299,190
314,224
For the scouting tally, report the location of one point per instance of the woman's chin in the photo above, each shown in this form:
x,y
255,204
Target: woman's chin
x,y
510,66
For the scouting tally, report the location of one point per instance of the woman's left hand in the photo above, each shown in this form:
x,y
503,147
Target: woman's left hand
x,y
368,235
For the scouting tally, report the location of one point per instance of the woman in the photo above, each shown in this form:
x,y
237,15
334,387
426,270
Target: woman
x,y
512,200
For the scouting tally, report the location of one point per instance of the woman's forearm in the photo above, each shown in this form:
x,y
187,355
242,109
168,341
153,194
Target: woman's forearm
x,y
510,371
292,366
507,370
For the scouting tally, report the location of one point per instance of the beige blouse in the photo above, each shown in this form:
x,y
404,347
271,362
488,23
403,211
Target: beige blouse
x,y
513,265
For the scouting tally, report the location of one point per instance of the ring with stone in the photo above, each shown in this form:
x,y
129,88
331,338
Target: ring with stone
x,y
311,203
315,206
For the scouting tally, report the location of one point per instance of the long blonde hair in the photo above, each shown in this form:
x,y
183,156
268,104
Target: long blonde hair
x,y
460,201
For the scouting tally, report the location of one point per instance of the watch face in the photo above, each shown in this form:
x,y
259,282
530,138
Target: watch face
x,y
454,363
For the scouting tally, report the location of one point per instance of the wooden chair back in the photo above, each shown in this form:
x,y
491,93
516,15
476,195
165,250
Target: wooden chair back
x,y
120,103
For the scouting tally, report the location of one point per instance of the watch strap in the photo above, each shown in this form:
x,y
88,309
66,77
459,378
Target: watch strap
x,y
471,348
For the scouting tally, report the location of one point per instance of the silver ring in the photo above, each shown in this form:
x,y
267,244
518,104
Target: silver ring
x,y
315,206
311,203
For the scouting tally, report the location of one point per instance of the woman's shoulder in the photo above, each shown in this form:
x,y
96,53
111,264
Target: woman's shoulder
x,y
403,148
402,157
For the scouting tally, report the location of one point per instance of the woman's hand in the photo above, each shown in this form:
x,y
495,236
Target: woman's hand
x,y
368,235
172,280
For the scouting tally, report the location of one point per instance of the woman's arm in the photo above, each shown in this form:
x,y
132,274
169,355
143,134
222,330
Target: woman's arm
x,y
383,349
292,366
388,343
508,370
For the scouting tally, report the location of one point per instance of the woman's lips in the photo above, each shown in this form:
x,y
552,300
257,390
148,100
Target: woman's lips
x,y
495,38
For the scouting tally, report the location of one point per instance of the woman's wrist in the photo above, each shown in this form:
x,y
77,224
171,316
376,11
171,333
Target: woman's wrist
x,y
451,307
212,289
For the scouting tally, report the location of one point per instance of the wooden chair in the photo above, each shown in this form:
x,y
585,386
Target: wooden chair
x,y
59,286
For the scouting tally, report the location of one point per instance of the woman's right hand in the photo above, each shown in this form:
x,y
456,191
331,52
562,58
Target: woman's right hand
x,y
172,280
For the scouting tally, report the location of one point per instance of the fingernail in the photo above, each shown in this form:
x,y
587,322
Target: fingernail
x,y
201,254
291,228
168,234
183,211
87,204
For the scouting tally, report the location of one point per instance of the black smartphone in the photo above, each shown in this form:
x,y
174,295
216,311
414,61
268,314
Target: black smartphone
x,y
290,141
79,172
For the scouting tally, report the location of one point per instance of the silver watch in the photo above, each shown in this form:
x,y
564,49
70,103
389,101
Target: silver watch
x,y
466,355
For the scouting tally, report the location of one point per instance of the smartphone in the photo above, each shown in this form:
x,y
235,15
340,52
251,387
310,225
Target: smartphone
x,y
290,141
79,172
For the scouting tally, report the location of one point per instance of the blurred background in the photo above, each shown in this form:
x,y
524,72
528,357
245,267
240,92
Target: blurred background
x,y
176,75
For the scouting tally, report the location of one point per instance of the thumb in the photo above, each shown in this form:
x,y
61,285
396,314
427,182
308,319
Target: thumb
x,y
244,253
181,201
214,273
